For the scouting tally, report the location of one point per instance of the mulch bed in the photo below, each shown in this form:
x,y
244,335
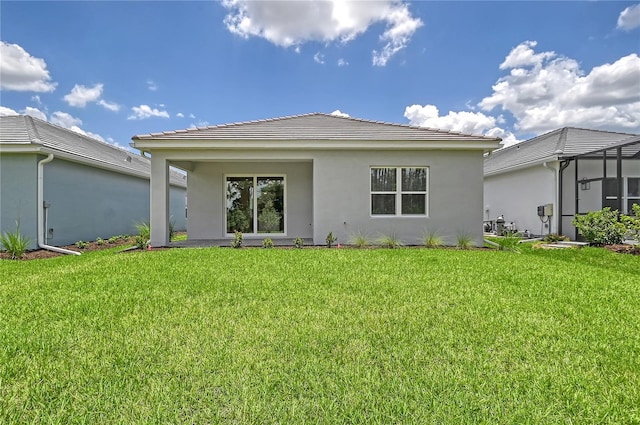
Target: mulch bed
x,y
624,249
91,246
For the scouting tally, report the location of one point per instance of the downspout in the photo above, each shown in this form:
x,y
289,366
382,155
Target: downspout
x,y
41,242
554,170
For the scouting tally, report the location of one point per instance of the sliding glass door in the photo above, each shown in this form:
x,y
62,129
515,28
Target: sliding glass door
x,y
255,204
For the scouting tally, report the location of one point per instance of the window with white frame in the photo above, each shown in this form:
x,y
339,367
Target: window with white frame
x,y
255,204
399,191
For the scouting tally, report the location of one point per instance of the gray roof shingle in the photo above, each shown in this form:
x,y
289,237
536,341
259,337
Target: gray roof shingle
x,y
24,130
565,142
314,126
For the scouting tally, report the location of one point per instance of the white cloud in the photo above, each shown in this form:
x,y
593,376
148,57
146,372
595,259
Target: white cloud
x,y
72,123
319,58
109,105
339,113
544,91
86,133
4,111
180,115
629,18
145,111
65,120
36,100
464,122
81,95
34,112
342,62
151,85
523,55
19,71
292,23
193,117
400,28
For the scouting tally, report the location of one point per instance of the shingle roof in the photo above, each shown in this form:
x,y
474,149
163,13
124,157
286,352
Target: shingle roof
x,y
565,142
23,130
314,126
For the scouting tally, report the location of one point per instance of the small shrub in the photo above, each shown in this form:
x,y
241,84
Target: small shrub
x,y
141,242
236,242
143,229
267,243
81,245
330,239
172,226
632,222
601,228
144,235
298,242
509,242
464,240
389,241
15,243
360,240
112,240
100,241
432,239
554,237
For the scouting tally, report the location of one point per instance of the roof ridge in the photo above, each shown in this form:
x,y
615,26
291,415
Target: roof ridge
x,y
562,141
30,127
287,117
75,133
599,131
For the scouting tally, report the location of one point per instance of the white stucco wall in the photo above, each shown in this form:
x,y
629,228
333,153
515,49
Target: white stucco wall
x,y
330,191
342,195
516,195
18,195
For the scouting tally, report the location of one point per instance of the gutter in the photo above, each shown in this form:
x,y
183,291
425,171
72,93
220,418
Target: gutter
x,y
40,203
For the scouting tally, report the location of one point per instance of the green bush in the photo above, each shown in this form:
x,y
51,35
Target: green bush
x,y
81,245
464,240
389,241
601,228
15,243
237,240
144,235
632,222
432,239
330,239
360,240
298,242
267,243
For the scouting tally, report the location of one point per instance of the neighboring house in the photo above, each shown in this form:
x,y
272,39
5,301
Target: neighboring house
x,y
89,189
570,169
308,175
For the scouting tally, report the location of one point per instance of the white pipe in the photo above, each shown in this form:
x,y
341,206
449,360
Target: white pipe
x,y
41,243
556,201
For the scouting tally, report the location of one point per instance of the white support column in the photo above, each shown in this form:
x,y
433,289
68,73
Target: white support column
x,y
159,201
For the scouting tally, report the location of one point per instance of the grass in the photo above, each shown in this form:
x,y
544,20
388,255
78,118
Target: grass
x,y
321,336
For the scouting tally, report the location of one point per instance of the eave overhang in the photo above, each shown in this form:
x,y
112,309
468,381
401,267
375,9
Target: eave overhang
x,y
149,145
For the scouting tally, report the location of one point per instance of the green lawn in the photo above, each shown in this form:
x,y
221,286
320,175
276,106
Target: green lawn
x,y
321,336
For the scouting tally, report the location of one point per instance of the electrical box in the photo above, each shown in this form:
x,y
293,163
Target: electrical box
x,y
545,210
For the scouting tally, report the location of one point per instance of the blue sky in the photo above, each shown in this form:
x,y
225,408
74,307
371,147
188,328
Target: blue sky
x,y
508,69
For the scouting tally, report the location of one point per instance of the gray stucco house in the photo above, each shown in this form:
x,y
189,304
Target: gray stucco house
x,y
569,170
308,175
64,187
